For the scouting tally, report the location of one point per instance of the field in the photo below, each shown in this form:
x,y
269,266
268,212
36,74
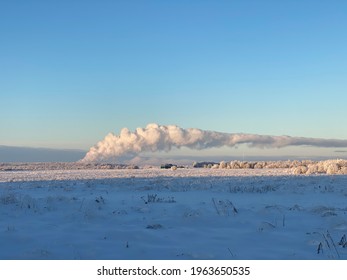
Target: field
x,y
172,214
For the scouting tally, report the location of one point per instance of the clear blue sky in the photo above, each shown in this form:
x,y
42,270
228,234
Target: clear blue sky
x,y
73,71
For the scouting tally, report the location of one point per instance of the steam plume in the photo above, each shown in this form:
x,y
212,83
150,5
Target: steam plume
x,y
163,138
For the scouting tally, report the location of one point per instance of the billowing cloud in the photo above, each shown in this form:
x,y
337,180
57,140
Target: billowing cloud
x,y
163,138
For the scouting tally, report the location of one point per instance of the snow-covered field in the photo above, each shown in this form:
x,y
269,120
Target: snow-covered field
x,y
172,214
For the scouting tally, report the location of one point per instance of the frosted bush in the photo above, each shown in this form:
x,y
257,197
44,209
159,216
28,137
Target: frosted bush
x,y
296,170
333,168
343,170
326,167
272,164
295,163
300,170
341,162
234,165
248,165
215,166
312,169
259,165
307,162
297,167
320,168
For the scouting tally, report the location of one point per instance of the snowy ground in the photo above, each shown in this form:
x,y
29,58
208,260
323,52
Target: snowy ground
x,y
166,214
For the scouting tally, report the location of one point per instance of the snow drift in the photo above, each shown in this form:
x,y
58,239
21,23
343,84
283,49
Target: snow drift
x,y
163,138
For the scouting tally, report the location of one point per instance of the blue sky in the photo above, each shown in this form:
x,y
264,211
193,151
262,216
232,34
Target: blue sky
x,y
73,71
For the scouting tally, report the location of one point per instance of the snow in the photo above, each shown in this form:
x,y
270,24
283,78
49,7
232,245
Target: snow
x,y
172,214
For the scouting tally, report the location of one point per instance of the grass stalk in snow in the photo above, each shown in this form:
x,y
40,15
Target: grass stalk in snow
x,y
82,204
223,207
332,247
320,248
343,241
216,207
231,253
332,241
153,198
233,207
284,221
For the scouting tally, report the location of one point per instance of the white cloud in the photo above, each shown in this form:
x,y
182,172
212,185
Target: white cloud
x,y
156,137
